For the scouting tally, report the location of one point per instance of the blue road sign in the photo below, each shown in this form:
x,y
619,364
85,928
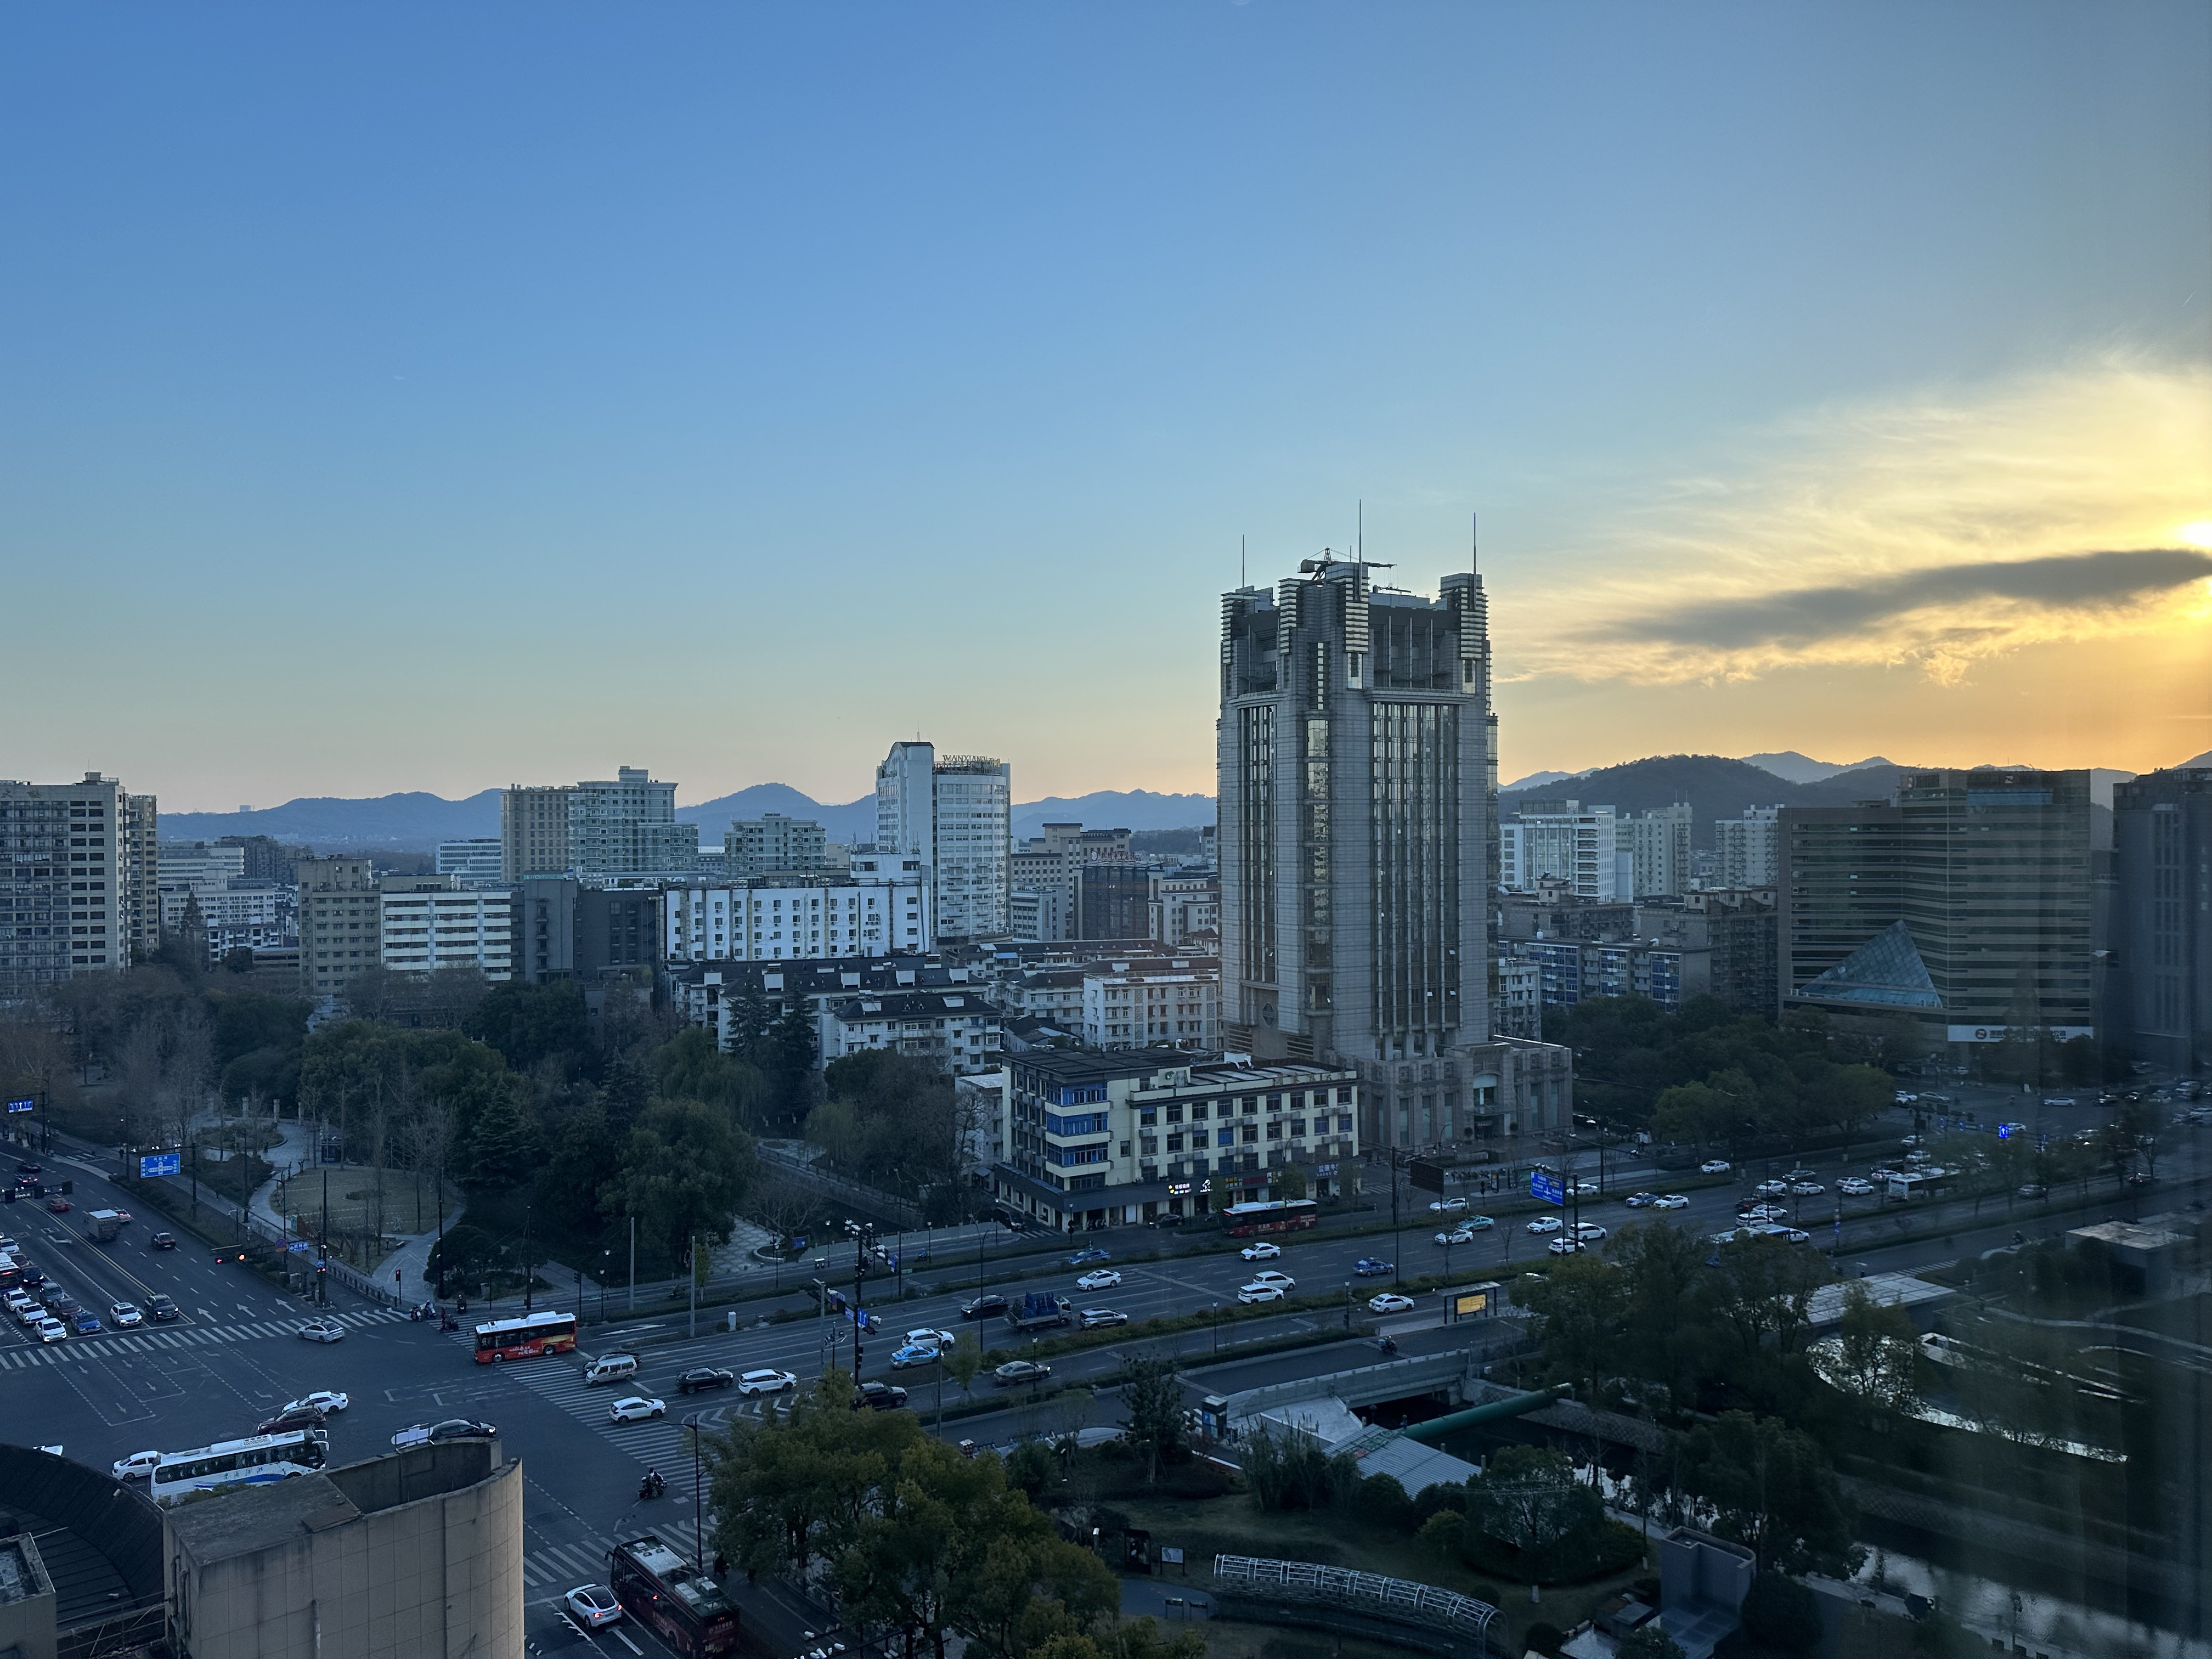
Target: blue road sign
x,y
160,1163
1544,1185
22,1105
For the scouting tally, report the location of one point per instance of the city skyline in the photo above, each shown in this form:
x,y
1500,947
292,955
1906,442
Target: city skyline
x,y
1830,382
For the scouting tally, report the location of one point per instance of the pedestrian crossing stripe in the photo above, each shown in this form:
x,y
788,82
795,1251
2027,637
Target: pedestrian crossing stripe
x,y
183,1336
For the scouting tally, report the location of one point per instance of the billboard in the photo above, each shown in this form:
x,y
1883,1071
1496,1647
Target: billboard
x,y
160,1163
1546,1186
22,1105
1427,1174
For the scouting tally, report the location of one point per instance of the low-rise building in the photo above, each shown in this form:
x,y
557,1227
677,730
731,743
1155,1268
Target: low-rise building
x,y
958,1030
1145,1003
774,843
717,995
1186,908
786,918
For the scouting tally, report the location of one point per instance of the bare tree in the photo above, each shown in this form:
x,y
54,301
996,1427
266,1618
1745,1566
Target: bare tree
x,y
138,1076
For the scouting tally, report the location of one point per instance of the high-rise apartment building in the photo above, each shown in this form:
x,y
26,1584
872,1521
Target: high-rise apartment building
x,y
1357,788
341,927
66,880
1561,841
429,922
955,815
1657,843
778,918
1744,849
2162,915
1964,903
626,825
142,875
533,830
772,842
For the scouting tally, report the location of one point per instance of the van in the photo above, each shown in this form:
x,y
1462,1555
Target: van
x,y
613,1368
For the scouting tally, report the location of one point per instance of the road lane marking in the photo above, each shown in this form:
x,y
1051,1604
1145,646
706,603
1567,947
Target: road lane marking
x,y
617,1633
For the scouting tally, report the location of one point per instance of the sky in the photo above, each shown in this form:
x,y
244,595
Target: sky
x,y
413,397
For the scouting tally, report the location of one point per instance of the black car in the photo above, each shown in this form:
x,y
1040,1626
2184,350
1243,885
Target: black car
x,y
984,1306
883,1396
33,1274
161,1309
163,1241
300,1417
61,1305
705,1377
29,1172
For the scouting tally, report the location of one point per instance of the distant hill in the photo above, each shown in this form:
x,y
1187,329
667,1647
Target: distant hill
x,y
331,824
1794,768
1536,780
854,820
1114,809
1714,786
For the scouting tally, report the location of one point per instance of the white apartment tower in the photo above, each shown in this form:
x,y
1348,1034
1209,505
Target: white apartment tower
x,y
1657,843
1562,841
955,815
1744,848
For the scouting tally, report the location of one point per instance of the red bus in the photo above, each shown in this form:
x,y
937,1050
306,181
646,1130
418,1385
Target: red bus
x,y
526,1338
1280,1215
683,1606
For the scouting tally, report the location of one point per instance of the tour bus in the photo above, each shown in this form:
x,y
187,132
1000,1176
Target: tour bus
x,y
685,1607
1282,1215
255,1461
526,1338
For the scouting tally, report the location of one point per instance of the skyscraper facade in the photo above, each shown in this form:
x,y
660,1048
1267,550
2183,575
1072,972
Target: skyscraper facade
x,y
65,884
955,814
626,825
1357,787
533,830
2162,914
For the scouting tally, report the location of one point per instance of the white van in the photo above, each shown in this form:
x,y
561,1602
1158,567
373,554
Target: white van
x,y
613,1368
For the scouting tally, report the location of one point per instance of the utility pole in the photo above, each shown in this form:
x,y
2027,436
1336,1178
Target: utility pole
x,y
1396,1243
632,1264
529,1267
863,1234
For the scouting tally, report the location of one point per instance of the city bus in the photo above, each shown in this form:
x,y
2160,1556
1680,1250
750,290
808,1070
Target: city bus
x,y
661,1589
1280,1215
11,1276
256,1461
526,1338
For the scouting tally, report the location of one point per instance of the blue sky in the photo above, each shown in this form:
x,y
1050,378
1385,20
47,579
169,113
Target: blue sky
x,y
428,397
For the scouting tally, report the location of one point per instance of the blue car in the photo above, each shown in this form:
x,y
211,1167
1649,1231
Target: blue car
x,y
1367,1267
87,1324
1082,1257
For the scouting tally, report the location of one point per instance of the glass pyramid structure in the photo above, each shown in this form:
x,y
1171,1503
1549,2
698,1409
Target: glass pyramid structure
x,y
1886,972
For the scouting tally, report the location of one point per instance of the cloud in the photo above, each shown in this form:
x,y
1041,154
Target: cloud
x,y
1929,530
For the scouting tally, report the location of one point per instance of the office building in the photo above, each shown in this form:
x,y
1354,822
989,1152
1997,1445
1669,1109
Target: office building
x,y
2162,917
1744,849
1172,1002
1103,1140
626,825
1035,916
141,876
1657,844
1186,908
774,844
619,932
1964,902
340,924
66,881
1565,842
775,919
1114,900
474,863
429,923
533,830
1356,789
953,814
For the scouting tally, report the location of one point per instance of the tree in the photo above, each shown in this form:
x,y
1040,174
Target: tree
x,y
1850,1097
1781,1614
1581,1303
1775,1490
1877,1354
685,1169
1763,1289
1528,1496
1152,1392
495,1149
1649,1641
528,1024
1690,1112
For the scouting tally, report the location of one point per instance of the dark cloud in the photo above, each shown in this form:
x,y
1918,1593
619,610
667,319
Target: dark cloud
x,y
1806,615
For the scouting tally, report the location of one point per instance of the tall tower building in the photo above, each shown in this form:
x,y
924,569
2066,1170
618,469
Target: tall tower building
x,y
533,830
956,815
65,881
1358,788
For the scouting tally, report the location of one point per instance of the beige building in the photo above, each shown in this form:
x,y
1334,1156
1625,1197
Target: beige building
x,y
415,1553
142,875
533,830
339,930
65,897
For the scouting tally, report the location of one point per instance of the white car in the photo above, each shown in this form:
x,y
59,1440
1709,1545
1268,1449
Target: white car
x,y
1546,1223
137,1467
1772,1189
1252,1293
1101,1279
1448,1206
1589,1232
1714,1166
1807,1188
766,1382
931,1339
126,1315
1670,1202
591,1606
1281,1281
1565,1247
1853,1187
1390,1301
1263,1251
51,1330
635,1408
1458,1235
323,1330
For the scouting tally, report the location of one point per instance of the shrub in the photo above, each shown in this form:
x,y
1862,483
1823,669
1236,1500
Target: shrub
x,y
1440,1539
1650,1642
1380,1501
1781,1613
1544,1639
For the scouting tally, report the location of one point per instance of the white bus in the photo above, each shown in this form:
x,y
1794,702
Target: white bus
x,y
255,1461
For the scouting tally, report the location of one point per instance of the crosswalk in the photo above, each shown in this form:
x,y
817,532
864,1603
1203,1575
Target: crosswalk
x,y
157,1339
554,1569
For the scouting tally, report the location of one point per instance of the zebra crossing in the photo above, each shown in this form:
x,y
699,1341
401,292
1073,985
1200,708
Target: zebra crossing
x,y
158,1339
558,1568
660,1443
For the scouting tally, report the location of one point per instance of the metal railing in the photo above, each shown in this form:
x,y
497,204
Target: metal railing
x,y
1400,1599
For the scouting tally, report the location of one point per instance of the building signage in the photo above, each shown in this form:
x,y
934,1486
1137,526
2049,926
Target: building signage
x,y
2000,1033
160,1163
1543,1184
22,1105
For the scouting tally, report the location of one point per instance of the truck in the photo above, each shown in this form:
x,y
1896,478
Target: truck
x,y
104,1225
1036,1310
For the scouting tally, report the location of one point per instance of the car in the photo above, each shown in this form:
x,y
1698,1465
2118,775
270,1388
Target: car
x,y
21,1306
2033,1189
705,1377
882,1396
984,1306
51,1329
86,1323
453,1428
1763,1213
1854,1186
1546,1223
1082,1257
162,1309
636,1408
1252,1293
915,1353
31,1272
1281,1281
934,1339
137,1467
163,1242
1093,1318
323,1330
123,1218
1796,1236
1390,1301
1565,1246
126,1315
1670,1202
60,1303
1714,1166
1016,1372
1448,1206
1589,1232
1457,1235
1807,1188
1103,1279
1370,1267
293,1416
1772,1189
1264,1251
1641,1201
1477,1224
1584,1188
766,1381
58,1204
591,1606
322,1400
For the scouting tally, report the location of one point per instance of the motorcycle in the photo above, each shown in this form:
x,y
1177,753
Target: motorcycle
x,y
447,1322
652,1485
1389,1345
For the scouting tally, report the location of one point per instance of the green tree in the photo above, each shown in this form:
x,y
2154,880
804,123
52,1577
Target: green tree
x,y
1582,1306
1528,1496
690,1067
1152,1391
1775,1490
1877,1352
1662,1272
1762,1290
496,1151
1690,1112
685,1168
531,1024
